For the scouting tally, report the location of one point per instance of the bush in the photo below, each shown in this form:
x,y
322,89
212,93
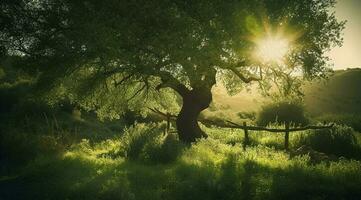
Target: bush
x,y
162,149
17,148
339,141
145,142
351,120
247,115
282,112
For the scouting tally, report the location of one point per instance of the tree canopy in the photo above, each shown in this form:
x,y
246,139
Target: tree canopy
x,y
115,54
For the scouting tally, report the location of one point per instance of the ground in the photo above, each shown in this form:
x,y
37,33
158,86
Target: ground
x,y
212,168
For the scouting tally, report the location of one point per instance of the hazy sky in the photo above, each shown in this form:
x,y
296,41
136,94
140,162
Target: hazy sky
x,y
349,55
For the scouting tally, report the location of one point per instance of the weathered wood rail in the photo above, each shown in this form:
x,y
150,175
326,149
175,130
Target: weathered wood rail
x,y
287,130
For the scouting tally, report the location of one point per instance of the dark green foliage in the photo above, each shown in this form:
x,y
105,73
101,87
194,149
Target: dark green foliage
x,y
12,95
163,149
348,119
20,148
230,186
299,184
339,140
281,113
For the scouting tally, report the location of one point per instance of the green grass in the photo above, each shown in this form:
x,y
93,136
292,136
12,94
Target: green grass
x,y
213,168
48,154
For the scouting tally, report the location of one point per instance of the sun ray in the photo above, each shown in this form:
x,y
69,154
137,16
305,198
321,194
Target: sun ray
x,y
272,49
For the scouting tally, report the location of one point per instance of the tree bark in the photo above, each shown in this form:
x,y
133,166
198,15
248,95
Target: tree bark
x,y
194,102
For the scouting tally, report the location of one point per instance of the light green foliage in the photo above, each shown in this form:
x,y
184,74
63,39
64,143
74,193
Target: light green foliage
x,y
137,138
109,101
146,142
231,82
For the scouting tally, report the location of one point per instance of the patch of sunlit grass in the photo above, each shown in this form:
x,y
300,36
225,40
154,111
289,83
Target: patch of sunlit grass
x,y
212,168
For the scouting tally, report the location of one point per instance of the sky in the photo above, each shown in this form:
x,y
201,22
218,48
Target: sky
x,y
349,55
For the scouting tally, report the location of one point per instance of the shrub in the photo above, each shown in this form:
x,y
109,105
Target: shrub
x,y
282,112
247,115
145,142
18,148
162,149
339,141
136,137
351,120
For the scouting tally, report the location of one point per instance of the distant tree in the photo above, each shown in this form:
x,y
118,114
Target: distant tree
x,y
115,54
282,113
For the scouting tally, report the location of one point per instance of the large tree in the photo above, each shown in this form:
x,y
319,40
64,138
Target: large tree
x,y
135,47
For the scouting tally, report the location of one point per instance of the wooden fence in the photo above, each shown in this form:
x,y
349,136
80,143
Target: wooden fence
x,y
286,130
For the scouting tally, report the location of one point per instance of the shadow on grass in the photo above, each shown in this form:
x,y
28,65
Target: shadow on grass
x,y
233,178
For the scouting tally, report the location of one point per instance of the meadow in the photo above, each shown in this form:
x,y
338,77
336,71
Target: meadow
x,y
70,158
133,100
62,153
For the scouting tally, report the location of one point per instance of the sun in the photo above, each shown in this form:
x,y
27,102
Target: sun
x,y
272,49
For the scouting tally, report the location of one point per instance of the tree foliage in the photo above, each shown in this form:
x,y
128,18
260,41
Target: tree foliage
x,y
115,53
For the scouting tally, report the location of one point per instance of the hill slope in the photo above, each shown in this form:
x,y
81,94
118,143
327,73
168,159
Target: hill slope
x,y
340,94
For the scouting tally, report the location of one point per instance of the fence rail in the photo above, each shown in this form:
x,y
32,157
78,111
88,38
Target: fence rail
x,y
287,130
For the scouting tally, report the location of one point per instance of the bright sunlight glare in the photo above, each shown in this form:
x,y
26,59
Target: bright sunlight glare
x,y
272,49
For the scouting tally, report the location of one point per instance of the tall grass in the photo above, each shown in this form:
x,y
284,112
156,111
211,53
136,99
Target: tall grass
x,y
138,165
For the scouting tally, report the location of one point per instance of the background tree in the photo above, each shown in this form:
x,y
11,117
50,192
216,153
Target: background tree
x,y
284,112
116,54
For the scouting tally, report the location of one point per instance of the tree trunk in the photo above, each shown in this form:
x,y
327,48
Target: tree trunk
x,y
194,103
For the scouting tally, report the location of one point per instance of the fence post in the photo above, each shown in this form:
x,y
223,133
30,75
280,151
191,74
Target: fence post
x,y
287,133
246,139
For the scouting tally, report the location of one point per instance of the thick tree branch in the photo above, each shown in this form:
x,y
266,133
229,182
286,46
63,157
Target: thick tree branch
x,y
138,91
165,115
124,79
169,81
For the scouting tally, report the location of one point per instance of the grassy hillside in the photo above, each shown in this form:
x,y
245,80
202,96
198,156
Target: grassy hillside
x,y
340,94
337,99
